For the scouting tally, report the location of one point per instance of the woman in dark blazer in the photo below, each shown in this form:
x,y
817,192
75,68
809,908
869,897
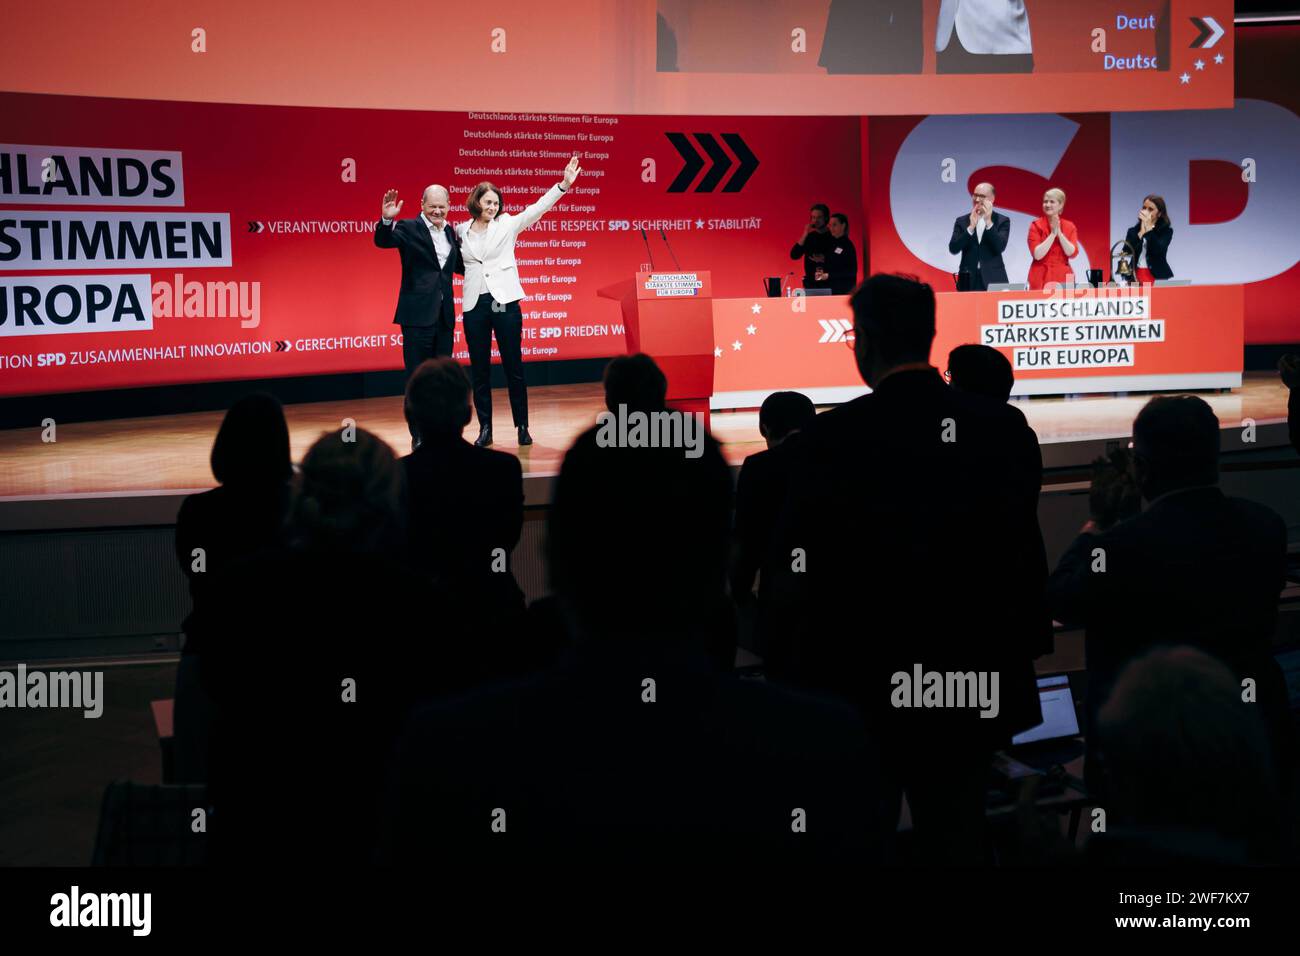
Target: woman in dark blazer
x,y
1149,240
841,265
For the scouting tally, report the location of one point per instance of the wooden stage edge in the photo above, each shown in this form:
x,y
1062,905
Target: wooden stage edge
x,y
124,462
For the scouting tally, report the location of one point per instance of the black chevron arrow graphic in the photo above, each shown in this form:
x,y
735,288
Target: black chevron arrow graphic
x,y
748,163
255,226
692,163
721,163
1205,32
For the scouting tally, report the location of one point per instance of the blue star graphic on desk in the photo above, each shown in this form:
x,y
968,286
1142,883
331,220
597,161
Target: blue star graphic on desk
x,y
1185,79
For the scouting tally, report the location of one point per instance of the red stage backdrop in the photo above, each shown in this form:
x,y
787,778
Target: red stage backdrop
x,y
150,243
1227,176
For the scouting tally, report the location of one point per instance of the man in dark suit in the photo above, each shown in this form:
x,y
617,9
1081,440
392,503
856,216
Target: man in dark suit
x,y
635,748
465,507
910,538
1195,568
430,255
980,237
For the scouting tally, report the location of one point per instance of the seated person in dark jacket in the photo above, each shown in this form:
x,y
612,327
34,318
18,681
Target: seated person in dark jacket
x,y
244,514
636,382
910,538
1188,769
981,370
1150,239
840,269
313,655
634,749
1195,568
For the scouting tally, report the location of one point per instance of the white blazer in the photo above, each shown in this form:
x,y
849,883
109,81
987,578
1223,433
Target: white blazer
x,y
985,26
496,273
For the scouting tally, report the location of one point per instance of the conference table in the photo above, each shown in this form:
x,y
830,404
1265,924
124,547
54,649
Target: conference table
x,y
1085,340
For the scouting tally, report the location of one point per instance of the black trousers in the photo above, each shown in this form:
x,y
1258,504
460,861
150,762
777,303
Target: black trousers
x,y
487,317
423,342
955,58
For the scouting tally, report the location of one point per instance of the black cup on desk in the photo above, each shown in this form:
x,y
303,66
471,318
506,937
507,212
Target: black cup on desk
x,y
1095,276
773,286
963,280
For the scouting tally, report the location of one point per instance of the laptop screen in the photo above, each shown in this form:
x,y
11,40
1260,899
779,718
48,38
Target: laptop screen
x,y
1059,717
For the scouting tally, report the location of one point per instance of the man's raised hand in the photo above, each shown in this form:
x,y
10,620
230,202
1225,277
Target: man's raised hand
x,y
392,205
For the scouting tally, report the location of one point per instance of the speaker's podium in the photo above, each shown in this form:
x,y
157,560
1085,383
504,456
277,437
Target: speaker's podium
x,y
669,316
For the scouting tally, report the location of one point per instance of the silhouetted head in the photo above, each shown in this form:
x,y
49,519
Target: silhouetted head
x,y
637,538
893,324
1181,750
437,399
252,445
1175,445
350,494
635,381
981,370
784,413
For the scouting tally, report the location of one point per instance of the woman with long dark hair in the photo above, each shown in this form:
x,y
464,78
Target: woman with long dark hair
x,y
490,299
1150,239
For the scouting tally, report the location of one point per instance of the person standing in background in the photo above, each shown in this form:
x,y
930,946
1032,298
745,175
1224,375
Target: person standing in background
x,y
813,245
1053,241
980,237
840,269
1149,240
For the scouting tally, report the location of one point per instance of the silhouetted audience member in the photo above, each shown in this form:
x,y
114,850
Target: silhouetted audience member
x,y
760,492
313,655
244,514
636,382
1289,366
634,749
981,370
910,540
1190,776
1195,568
465,515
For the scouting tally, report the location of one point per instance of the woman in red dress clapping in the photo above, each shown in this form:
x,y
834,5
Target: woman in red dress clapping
x,y
1054,242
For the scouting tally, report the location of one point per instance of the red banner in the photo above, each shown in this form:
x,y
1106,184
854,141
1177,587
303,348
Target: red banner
x,y
150,243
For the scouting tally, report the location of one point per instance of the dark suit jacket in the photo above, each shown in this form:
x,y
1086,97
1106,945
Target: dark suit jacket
x,y
464,502
918,550
842,266
982,259
229,523
425,296
587,771
1196,568
873,36
1157,243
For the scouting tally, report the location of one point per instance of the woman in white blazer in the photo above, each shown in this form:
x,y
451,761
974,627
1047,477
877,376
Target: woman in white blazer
x,y
490,300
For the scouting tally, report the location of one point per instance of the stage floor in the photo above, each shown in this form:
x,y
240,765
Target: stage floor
x,y
170,453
